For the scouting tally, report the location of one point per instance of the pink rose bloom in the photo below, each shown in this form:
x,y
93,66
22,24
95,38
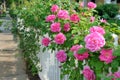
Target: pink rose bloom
x,y
97,29
50,18
60,38
81,4
94,41
66,27
81,57
74,18
61,56
103,20
88,73
117,74
75,48
92,19
91,5
54,8
106,55
55,27
111,74
63,14
45,41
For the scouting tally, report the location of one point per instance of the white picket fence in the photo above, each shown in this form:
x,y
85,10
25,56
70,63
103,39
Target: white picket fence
x,y
50,66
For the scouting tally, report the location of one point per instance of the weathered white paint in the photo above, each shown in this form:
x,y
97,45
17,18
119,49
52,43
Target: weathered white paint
x,y
107,1
50,66
115,39
114,2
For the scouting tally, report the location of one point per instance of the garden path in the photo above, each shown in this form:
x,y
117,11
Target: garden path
x,y
12,66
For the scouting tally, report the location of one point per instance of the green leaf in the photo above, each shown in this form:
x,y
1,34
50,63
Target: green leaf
x,y
115,64
81,50
70,54
74,31
76,41
116,52
114,70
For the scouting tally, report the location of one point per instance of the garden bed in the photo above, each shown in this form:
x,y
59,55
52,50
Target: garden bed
x,y
30,75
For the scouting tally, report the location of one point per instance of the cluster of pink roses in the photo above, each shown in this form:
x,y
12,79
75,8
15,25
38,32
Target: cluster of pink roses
x,y
94,41
80,57
116,75
90,5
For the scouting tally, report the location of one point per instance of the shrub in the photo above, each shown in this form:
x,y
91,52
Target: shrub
x,y
107,11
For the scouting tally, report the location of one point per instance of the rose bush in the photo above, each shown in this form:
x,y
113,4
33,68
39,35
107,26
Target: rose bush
x,y
84,42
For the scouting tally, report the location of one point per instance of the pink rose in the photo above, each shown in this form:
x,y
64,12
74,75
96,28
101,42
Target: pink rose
x,y
94,41
88,73
45,41
63,14
74,18
50,18
82,56
55,27
60,38
117,75
106,55
103,20
92,19
54,8
97,29
61,56
81,4
91,5
75,48
66,27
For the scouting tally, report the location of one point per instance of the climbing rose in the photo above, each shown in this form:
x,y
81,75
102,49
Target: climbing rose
x,y
103,20
61,56
106,55
97,29
55,27
88,73
45,41
60,38
54,8
75,48
66,27
63,14
74,18
94,41
117,74
82,56
91,5
50,18
92,19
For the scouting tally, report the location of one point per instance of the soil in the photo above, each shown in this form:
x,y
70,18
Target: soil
x,y
30,76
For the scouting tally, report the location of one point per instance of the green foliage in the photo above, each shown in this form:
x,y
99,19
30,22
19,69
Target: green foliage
x,y
81,50
117,51
107,11
33,26
1,23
